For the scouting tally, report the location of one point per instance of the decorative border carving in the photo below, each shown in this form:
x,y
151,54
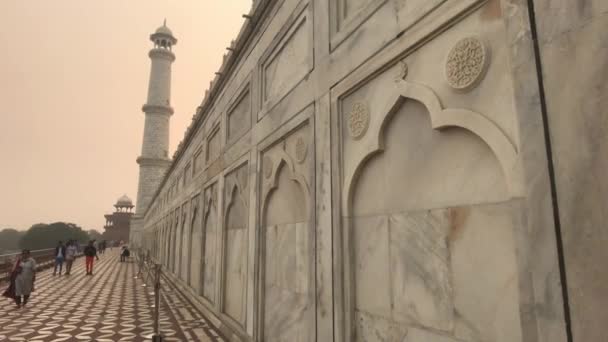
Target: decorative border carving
x,y
301,149
358,120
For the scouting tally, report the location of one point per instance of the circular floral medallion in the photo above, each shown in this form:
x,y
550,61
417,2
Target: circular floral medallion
x,y
358,120
466,63
267,167
301,150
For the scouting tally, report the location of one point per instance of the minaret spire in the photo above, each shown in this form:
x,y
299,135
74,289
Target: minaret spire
x,y
154,159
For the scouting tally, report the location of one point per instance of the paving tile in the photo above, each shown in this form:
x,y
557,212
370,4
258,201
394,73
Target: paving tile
x,y
111,305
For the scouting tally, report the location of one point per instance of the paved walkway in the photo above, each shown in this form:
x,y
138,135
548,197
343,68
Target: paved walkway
x,y
109,306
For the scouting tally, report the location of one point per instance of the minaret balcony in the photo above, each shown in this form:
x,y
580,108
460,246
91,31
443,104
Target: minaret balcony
x,y
162,53
157,109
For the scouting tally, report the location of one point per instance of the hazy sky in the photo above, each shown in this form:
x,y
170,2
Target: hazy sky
x,y
74,76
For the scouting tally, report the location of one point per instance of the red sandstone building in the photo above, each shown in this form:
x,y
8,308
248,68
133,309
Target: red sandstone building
x,y
118,223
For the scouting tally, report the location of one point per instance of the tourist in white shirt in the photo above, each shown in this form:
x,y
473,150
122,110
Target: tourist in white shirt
x,y
70,255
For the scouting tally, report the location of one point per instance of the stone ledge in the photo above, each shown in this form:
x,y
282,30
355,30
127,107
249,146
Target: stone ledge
x,y
157,109
162,53
144,161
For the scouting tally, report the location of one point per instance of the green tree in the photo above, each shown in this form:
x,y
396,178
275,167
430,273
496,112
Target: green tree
x,y
9,240
94,235
42,235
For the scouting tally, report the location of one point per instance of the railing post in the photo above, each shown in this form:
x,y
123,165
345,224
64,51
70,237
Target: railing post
x,y
157,337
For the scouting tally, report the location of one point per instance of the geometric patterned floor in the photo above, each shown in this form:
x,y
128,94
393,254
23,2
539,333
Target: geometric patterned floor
x,y
109,306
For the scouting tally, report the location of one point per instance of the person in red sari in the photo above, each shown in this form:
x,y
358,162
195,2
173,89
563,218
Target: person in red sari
x,y
23,276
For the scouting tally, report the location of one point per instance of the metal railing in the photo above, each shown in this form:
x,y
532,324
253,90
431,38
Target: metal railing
x,y
150,271
44,258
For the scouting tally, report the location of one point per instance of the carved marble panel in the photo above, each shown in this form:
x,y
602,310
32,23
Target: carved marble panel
x,y
423,163
236,192
410,11
399,173
484,272
213,145
239,116
287,258
402,270
196,247
347,15
210,223
288,60
184,242
197,162
351,7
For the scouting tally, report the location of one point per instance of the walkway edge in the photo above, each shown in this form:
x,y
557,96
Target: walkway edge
x,y
193,298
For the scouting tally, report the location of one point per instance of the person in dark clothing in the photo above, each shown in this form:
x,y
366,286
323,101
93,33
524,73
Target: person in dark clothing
x,y
124,254
59,257
90,252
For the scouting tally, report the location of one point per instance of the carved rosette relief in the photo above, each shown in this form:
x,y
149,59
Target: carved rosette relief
x,y
301,150
466,63
358,120
267,166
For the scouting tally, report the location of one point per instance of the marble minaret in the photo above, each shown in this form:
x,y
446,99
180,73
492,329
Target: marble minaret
x,y
154,159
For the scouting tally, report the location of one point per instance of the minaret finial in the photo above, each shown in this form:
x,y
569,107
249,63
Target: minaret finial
x,y
165,22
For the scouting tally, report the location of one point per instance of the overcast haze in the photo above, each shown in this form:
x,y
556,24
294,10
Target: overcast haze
x,y
74,77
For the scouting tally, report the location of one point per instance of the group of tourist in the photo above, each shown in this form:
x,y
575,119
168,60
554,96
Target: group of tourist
x,y
65,253
23,273
68,254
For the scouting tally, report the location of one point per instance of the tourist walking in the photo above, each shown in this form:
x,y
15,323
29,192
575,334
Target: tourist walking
x,y
59,257
90,253
70,254
23,276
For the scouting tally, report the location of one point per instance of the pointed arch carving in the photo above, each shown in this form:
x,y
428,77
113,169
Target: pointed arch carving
x,y
234,251
208,272
441,118
284,160
194,209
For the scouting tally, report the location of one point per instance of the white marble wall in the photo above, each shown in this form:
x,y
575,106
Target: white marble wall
x,y
573,46
235,243
371,170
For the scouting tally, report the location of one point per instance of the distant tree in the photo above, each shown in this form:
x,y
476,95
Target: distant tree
x,y
94,235
42,235
9,239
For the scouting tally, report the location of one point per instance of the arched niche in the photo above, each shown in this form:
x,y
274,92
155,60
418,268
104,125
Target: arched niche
x,y
194,248
210,235
287,255
176,244
235,256
429,195
185,242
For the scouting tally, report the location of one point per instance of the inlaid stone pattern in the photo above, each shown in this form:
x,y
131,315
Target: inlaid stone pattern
x,y
109,306
358,120
466,63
